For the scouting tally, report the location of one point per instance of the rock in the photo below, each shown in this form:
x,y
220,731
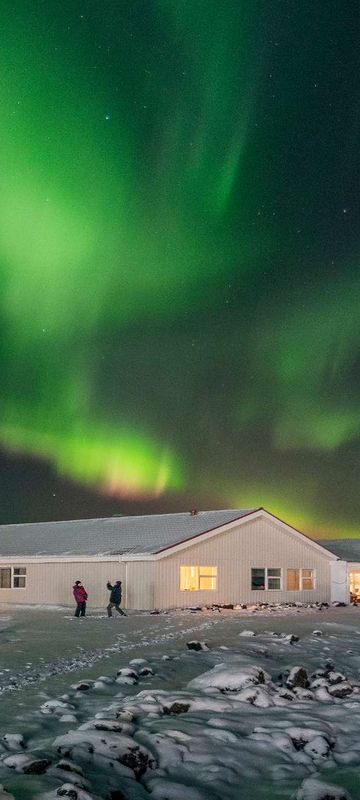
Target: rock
x,y
290,638
318,748
82,686
255,696
197,646
115,725
136,760
13,741
319,682
69,766
340,690
228,678
73,793
335,677
176,708
145,672
127,672
317,633
287,695
319,673
298,677
247,633
27,765
16,761
56,707
90,745
36,767
301,737
303,694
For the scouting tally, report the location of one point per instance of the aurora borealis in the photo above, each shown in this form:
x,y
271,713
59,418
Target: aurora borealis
x,y
179,259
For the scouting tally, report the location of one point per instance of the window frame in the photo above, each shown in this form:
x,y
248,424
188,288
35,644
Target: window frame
x,y
302,578
268,576
14,573
200,573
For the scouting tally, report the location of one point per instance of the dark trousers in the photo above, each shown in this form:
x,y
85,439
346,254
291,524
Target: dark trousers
x,y
80,609
118,609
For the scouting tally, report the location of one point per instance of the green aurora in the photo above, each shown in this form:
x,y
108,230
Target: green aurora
x,y
179,246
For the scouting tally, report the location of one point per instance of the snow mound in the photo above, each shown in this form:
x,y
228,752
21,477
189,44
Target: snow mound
x,y
229,678
312,789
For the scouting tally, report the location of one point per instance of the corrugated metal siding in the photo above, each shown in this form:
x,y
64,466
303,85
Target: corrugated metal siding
x,y
140,585
257,543
51,584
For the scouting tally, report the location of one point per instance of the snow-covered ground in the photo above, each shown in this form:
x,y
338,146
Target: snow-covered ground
x,y
122,709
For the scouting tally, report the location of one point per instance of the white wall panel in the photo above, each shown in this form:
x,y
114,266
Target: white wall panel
x,y
51,583
257,543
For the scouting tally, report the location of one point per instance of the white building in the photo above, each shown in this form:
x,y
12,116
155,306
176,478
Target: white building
x,y
169,560
348,550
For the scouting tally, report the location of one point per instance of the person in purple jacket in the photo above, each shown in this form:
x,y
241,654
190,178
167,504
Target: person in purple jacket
x,y
80,597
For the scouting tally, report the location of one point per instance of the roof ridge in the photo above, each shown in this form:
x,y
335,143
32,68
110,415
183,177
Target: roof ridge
x,y
127,516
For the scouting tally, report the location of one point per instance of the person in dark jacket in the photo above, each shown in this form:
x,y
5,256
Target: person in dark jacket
x,y
115,598
80,597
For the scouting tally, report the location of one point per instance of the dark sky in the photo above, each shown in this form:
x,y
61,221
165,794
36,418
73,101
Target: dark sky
x,y
179,259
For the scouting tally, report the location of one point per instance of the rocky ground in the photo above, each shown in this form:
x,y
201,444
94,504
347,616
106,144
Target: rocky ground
x,y
256,703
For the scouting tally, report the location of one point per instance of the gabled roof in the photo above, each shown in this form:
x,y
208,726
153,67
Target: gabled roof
x,y
112,536
346,549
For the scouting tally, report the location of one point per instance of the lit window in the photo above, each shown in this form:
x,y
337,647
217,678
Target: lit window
x,y
12,577
300,579
293,580
265,578
194,579
307,579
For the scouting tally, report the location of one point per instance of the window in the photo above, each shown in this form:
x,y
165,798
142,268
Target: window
x,y
194,579
19,578
12,577
307,579
293,580
300,579
258,579
265,578
5,578
274,579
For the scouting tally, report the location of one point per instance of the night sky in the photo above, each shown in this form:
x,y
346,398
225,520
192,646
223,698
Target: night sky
x,y
179,259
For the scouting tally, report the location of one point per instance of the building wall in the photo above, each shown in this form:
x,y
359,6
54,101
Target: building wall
x,y
155,584
257,543
140,585
51,583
